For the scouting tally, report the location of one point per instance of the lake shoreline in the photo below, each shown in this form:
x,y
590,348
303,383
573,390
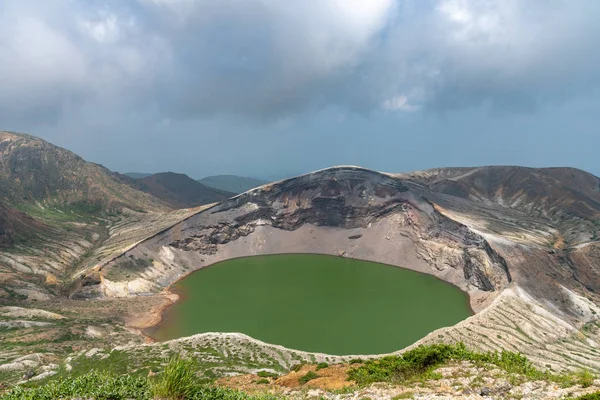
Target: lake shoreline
x,y
163,314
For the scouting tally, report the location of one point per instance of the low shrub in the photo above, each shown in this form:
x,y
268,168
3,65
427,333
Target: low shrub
x,y
310,375
322,365
590,396
177,381
267,374
585,378
404,367
421,360
296,367
100,386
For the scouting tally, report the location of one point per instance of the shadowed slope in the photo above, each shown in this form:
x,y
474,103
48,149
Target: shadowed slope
x,y
232,183
181,191
16,226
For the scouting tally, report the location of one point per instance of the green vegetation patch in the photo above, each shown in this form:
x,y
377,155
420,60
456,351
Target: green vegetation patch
x,y
63,212
309,376
590,396
420,362
95,385
177,381
322,365
267,374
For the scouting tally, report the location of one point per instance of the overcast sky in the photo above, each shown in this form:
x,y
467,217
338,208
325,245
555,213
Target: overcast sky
x,y
270,88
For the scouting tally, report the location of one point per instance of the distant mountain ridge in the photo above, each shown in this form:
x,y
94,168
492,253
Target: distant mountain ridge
x,y
232,183
33,171
137,175
181,191
547,191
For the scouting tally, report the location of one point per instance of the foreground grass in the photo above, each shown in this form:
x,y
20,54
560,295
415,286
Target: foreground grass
x,y
178,381
590,396
420,363
182,379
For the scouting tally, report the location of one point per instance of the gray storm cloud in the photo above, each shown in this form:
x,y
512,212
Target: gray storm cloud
x,y
186,58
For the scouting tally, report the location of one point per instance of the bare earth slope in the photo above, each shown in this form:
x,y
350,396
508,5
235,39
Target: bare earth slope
x,y
566,199
181,191
558,194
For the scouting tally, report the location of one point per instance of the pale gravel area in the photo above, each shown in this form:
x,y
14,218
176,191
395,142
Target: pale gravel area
x,y
22,312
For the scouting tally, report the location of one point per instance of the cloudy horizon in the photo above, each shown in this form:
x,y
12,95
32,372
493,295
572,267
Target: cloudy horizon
x,y
277,88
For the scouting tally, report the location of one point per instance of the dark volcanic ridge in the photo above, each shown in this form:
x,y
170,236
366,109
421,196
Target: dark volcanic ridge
x,y
136,175
181,191
232,183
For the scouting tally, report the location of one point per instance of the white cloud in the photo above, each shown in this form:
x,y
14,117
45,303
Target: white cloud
x,y
264,59
399,103
510,54
105,29
38,61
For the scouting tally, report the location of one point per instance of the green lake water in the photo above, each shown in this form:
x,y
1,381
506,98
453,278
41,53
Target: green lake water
x,y
314,303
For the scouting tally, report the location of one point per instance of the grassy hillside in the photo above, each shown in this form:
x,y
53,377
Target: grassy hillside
x,y
35,174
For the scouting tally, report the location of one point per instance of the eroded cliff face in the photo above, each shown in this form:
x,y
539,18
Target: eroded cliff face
x,y
347,211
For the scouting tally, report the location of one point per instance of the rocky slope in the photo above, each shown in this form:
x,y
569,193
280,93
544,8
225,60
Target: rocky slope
x,y
181,191
566,200
568,197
